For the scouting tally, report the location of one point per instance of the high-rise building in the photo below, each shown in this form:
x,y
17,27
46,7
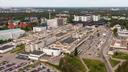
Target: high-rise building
x,y
56,22
96,17
52,23
84,18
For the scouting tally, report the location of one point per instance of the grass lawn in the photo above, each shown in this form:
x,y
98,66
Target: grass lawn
x,y
75,63
95,65
70,64
120,55
18,49
114,62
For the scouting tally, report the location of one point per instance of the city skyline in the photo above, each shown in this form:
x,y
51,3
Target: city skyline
x,y
63,3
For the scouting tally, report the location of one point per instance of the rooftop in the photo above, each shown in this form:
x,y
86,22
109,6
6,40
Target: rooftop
x,y
69,40
10,30
119,43
37,52
60,34
6,47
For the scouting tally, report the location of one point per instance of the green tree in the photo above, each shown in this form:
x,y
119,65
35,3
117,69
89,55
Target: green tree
x,y
98,34
70,19
27,28
76,52
123,67
115,32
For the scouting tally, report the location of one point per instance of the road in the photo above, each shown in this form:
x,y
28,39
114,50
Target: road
x,y
97,47
104,51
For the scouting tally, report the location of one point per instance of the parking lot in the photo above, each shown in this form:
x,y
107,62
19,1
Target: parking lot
x,y
9,63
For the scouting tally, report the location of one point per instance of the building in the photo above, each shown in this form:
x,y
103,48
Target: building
x,y
76,18
84,18
36,55
24,25
61,21
11,34
119,44
121,32
96,17
56,22
63,17
52,23
66,45
52,51
6,48
43,20
13,25
39,29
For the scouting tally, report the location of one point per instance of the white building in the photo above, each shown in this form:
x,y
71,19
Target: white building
x,y
43,20
52,51
83,18
96,17
34,46
35,55
76,18
39,29
11,34
121,32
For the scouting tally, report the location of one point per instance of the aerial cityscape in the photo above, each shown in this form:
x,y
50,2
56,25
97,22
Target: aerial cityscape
x,y
55,38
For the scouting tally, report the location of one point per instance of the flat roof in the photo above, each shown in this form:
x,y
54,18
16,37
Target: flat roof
x,y
37,52
54,48
60,34
119,43
69,40
10,30
6,47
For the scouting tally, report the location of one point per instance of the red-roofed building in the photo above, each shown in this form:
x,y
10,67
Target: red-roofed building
x,y
24,25
20,25
11,26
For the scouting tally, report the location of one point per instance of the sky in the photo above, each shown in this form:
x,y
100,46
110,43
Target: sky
x,y
63,3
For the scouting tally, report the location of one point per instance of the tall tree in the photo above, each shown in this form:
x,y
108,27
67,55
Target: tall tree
x,y
76,52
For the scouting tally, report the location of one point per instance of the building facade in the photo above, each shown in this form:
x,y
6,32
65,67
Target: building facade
x,y
11,34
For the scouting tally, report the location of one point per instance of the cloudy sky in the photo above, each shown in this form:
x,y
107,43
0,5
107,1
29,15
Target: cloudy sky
x,y
63,3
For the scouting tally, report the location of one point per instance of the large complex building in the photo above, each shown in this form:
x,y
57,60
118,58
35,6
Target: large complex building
x,y
53,43
11,34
